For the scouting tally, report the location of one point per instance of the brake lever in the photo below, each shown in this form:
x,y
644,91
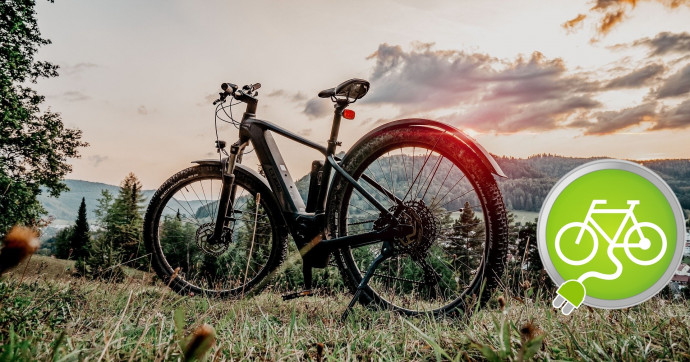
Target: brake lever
x,y
221,99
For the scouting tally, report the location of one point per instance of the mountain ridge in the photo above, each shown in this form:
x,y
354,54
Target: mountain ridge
x,y
529,180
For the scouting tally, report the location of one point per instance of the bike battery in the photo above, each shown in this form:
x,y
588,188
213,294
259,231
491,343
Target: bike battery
x,y
314,185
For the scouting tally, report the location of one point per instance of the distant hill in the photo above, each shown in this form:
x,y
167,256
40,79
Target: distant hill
x,y
64,208
529,180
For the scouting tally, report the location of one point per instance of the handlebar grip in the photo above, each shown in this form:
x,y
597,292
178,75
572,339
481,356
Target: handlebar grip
x,y
225,87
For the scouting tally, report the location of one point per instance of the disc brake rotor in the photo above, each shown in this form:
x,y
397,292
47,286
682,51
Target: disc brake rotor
x,y
203,233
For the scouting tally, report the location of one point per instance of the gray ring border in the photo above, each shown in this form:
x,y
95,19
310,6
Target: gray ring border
x,y
639,170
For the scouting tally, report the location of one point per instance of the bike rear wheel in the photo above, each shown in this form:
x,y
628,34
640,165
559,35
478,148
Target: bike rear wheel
x,y
445,190
647,250
182,215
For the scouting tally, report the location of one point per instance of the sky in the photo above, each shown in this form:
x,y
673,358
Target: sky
x,y
574,78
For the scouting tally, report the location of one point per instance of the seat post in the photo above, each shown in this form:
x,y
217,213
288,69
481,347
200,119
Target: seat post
x,y
337,116
330,151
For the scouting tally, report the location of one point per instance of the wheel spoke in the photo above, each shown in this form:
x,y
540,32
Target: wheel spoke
x,y
201,270
434,177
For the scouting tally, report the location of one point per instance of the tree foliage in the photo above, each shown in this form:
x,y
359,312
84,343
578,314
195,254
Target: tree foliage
x,y
126,222
80,241
119,239
62,243
34,144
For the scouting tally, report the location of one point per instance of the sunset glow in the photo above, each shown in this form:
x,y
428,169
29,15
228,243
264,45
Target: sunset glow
x,y
574,78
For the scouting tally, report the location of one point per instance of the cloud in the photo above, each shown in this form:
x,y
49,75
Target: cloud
x,y
532,93
664,43
637,78
613,121
609,20
676,85
574,22
508,96
612,12
74,96
508,117
678,117
67,69
317,107
424,78
293,96
96,160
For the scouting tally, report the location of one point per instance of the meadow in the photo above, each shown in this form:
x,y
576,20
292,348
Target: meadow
x,y
47,314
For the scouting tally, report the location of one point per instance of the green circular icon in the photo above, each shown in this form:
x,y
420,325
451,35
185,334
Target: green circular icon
x,y
610,234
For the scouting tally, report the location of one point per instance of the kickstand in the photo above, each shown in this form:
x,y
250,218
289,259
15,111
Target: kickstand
x,y
386,251
307,272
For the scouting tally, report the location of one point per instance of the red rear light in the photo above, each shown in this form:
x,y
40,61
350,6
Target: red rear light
x,y
349,114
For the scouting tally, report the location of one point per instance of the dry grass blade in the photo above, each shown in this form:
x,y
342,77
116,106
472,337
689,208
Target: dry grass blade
x,y
251,247
117,326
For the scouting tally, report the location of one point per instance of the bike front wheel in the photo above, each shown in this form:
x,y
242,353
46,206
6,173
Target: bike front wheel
x,y
577,246
453,201
181,217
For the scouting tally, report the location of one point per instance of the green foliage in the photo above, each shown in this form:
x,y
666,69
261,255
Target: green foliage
x,y
174,236
62,242
34,144
125,218
103,255
119,238
525,274
468,241
80,242
529,180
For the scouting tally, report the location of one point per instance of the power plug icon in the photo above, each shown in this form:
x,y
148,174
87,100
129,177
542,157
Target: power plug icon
x,y
571,294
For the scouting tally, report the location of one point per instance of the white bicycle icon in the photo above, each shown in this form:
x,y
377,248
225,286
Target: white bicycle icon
x,y
644,243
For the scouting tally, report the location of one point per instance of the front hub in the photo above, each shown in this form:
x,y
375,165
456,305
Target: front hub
x,y
203,240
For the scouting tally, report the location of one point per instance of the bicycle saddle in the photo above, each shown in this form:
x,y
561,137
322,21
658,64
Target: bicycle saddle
x,y
349,90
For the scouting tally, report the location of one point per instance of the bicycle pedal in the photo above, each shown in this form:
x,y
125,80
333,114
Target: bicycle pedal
x,y
304,293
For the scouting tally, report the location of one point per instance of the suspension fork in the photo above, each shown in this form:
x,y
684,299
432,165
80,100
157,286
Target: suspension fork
x,y
227,193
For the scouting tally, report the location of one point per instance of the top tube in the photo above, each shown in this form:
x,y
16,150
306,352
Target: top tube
x,y
594,210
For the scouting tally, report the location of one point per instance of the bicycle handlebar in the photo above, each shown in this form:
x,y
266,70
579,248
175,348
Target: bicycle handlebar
x,y
225,87
246,94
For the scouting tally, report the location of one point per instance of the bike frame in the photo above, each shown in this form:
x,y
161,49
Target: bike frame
x,y
306,227
590,220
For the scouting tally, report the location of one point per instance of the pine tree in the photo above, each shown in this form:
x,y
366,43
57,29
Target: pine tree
x,y
104,259
178,242
124,221
468,240
63,249
80,241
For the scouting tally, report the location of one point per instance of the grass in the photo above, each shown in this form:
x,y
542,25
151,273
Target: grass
x,y
50,315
